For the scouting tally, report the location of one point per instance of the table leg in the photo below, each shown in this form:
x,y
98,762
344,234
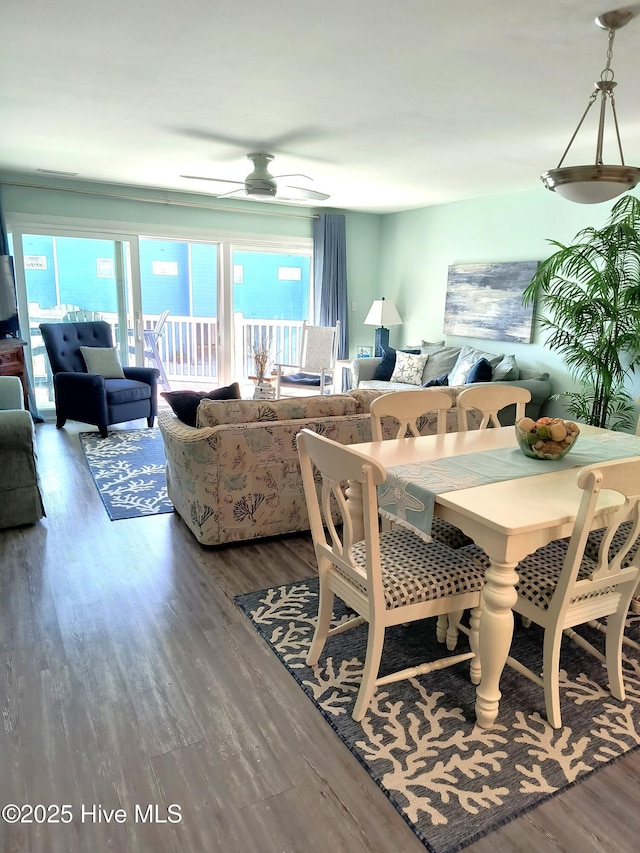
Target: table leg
x,y
496,631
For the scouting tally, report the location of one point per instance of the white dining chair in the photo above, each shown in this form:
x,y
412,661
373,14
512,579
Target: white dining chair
x,y
561,587
410,410
489,400
387,578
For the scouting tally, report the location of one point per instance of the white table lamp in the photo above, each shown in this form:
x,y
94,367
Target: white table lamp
x,y
382,313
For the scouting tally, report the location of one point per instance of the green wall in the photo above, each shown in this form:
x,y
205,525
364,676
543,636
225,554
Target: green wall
x,y
419,245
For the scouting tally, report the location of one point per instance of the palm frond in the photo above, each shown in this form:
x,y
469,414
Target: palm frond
x,y
588,301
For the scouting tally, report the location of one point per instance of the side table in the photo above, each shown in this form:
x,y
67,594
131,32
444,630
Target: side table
x,y
264,390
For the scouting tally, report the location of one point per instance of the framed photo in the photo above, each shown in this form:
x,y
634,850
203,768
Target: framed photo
x,y
364,352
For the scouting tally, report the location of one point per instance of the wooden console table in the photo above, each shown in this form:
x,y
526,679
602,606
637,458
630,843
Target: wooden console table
x,y
12,363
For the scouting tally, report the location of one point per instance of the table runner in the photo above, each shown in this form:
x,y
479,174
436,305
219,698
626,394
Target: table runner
x,y
408,496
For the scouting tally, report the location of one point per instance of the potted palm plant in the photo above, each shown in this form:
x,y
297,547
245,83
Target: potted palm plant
x,y
590,294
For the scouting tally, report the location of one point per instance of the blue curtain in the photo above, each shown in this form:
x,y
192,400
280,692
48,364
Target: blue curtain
x,y
330,275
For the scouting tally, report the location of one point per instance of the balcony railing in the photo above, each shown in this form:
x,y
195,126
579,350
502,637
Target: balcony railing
x,y
188,346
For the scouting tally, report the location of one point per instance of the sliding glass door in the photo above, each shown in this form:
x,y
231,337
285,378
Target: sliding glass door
x,y
271,297
71,278
179,303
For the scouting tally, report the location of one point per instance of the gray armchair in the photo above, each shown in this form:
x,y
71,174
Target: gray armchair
x,y
20,497
90,397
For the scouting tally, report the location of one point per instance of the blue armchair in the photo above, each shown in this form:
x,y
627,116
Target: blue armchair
x,y
90,397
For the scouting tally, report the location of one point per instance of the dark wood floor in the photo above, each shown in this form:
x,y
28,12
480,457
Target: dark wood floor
x,y
130,678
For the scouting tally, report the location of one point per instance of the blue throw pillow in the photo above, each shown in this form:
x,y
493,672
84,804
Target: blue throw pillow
x,y
385,368
387,365
480,372
439,381
185,403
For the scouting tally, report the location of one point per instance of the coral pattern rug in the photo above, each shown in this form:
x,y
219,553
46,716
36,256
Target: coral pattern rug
x,y
128,468
450,780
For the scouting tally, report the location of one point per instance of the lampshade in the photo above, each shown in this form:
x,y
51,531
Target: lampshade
x,y
383,313
598,182
591,184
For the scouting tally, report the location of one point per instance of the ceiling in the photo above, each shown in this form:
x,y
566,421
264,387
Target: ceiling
x,y
387,106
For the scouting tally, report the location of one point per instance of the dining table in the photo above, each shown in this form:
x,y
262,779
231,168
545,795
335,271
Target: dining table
x,y
509,504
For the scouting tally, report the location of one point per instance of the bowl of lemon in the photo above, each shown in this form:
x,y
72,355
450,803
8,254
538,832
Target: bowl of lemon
x,y
546,438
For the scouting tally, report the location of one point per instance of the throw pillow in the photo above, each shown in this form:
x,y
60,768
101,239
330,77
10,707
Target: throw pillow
x,y
409,368
441,360
104,361
385,368
185,403
480,372
507,369
387,365
467,358
437,382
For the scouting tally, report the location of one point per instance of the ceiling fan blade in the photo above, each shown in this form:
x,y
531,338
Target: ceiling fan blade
x,y
300,194
233,194
294,175
217,180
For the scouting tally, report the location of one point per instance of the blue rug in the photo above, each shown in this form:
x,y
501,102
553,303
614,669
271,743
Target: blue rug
x,y
451,781
128,468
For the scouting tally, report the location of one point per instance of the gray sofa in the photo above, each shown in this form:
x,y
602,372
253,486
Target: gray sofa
x,y
442,360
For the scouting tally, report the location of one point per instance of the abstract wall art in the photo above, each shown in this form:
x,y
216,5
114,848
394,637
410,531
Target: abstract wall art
x,y
485,301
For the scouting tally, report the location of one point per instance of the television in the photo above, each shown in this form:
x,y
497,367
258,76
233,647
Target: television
x,y
9,326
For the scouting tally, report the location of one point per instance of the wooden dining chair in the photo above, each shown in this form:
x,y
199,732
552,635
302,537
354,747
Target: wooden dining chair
x,y
410,410
489,400
561,587
387,578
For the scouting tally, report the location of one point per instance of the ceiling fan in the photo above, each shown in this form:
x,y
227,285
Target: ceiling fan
x,y
261,184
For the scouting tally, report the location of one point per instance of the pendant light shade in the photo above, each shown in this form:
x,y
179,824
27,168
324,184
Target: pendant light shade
x,y
596,183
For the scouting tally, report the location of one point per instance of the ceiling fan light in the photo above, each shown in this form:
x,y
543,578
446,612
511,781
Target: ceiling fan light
x,y
591,184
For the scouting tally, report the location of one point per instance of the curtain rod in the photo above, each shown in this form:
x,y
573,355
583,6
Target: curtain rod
x,y
166,201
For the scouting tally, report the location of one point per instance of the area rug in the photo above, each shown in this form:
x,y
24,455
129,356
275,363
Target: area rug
x,y
128,468
451,781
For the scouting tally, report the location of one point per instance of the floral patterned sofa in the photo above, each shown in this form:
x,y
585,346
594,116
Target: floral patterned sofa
x,y
235,476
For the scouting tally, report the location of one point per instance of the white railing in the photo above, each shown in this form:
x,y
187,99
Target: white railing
x,y
188,345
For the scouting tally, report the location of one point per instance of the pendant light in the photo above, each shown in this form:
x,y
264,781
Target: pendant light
x,y
598,182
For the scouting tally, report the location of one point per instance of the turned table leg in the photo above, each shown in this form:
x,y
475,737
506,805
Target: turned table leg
x,y
496,631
